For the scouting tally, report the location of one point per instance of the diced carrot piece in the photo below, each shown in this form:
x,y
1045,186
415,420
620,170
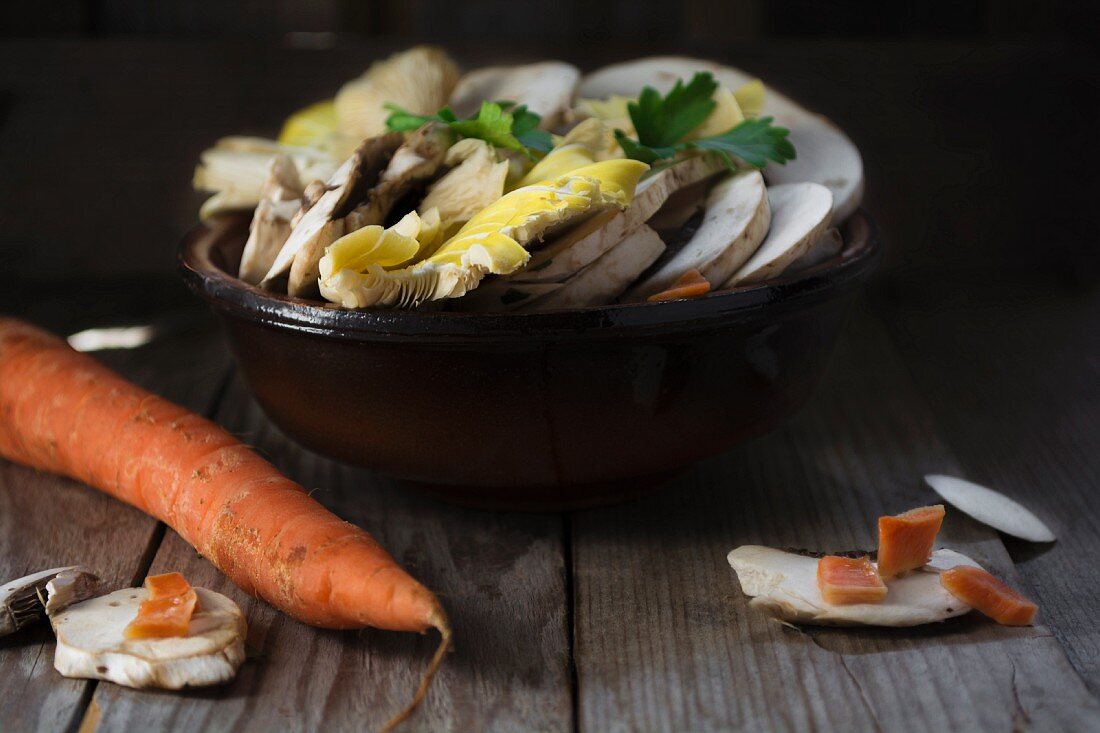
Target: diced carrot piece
x,y
847,580
905,541
975,587
168,610
168,584
691,284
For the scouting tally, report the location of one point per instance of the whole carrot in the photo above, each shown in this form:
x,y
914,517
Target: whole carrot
x,y
64,412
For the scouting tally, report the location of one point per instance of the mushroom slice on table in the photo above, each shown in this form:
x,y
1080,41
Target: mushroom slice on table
x,y
735,223
545,87
573,250
322,223
990,508
825,154
91,643
605,279
419,80
281,197
24,601
800,214
785,585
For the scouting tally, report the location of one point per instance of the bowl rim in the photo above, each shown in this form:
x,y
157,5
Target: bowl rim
x,y
861,254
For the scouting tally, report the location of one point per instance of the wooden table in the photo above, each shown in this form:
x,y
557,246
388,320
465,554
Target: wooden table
x,y
628,618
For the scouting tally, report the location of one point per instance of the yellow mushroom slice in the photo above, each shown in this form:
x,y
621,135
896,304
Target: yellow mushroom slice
x,y
419,80
825,154
800,215
735,223
91,643
492,242
545,87
605,279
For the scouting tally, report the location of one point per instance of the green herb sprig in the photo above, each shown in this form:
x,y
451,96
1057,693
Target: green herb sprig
x,y
501,124
661,123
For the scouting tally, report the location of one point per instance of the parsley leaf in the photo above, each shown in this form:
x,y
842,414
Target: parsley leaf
x,y
660,122
494,123
753,141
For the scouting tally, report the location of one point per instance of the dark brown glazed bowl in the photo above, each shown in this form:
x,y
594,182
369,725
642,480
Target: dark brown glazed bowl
x,y
532,411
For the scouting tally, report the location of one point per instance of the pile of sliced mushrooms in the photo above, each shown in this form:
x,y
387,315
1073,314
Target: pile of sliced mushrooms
x,y
347,211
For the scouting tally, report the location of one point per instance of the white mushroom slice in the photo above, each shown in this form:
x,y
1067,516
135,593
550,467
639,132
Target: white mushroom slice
x,y
91,645
825,154
573,250
476,181
605,279
991,508
545,87
829,245
236,169
26,600
500,296
419,80
784,584
270,227
800,213
318,227
736,221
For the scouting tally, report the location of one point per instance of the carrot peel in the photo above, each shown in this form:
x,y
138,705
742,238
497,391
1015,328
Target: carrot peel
x,y
167,611
849,580
977,588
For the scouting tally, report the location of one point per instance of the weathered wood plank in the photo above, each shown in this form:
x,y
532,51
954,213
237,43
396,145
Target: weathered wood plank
x,y
1020,406
501,577
665,639
47,520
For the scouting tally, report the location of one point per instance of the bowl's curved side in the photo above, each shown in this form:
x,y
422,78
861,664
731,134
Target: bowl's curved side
x,y
568,416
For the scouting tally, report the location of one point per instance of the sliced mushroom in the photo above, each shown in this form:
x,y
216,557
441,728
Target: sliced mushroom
x,y
828,245
236,168
91,644
475,181
735,223
825,154
991,508
419,80
545,87
26,600
321,224
270,227
418,159
604,280
784,584
573,250
800,214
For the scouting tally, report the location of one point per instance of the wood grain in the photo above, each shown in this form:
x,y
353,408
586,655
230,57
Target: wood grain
x,y
501,577
1011,370
48,521
665,639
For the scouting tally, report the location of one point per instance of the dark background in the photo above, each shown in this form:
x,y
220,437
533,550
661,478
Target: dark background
x,y
976,118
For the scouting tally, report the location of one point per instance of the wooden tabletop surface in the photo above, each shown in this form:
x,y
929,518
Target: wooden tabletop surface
x,y
974,352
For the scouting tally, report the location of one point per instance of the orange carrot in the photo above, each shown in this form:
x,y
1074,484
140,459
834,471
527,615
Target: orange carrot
x,y
64,412
691,284
847,580
167,611
905,541
975,587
